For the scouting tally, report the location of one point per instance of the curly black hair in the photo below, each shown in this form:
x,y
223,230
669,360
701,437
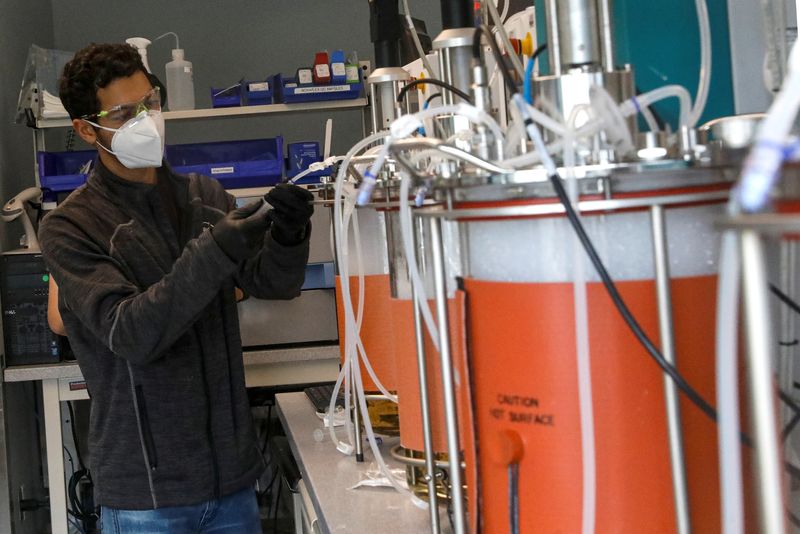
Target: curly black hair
x,y
93,68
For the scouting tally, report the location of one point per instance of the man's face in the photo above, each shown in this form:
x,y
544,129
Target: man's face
x,y
119,91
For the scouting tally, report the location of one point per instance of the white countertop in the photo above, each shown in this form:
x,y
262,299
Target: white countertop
x,y
328,474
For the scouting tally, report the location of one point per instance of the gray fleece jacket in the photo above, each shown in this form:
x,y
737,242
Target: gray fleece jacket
x,y
151,316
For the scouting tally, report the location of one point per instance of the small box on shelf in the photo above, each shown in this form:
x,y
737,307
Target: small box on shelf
x,y
227,97
258,93
289,91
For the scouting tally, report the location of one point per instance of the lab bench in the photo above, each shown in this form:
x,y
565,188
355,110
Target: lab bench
x,y
323,499
63,382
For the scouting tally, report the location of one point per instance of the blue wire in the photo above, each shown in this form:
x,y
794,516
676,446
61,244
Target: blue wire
x,y
527,85
421,130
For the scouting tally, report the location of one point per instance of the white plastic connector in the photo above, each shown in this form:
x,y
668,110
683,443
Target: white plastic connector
x,y
405,126
345,448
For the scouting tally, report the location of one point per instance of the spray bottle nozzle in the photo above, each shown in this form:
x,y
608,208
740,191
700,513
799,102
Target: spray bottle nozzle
x,y
177,41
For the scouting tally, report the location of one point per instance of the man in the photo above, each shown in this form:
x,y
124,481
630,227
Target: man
x,y
147,262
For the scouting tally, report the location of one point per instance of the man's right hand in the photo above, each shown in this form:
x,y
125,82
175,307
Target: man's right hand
x,y
240,234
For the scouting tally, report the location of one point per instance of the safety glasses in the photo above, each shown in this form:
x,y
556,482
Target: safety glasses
x,y
122,113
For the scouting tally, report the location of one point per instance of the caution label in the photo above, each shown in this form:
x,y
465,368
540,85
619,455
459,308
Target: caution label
x,y
520,409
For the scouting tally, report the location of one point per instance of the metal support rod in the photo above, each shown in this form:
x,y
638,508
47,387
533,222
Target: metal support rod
x,y
578,27
761,394
356,417
666,332
448,384
427,434
788,331
55,457
605,13
513,497
553,37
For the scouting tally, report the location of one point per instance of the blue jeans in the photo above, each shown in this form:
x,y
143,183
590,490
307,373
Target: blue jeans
x,y
236,513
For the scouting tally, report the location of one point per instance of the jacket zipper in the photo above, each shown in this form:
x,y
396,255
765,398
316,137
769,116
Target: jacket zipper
x,y
147,433
209,425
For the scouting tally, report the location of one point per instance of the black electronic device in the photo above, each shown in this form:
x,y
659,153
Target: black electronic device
x,y
24,287
320,397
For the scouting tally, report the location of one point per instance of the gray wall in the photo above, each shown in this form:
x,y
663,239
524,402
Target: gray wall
x,y
22,23
229,40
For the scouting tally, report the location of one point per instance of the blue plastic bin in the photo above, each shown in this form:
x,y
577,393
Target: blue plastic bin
x,y
288,92
299,157
227,97
258,93
236,164
58,171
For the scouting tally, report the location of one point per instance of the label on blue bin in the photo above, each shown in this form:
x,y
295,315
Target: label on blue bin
x,y
261,86
322,89
222,170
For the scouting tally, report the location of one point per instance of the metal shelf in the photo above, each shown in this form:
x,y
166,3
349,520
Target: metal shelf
x,y
195,114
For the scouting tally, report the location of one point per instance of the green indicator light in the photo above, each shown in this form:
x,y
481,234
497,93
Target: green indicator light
x,y
45,278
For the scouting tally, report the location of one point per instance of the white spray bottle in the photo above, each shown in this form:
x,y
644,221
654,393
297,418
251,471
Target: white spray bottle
x,y
141,44
180,80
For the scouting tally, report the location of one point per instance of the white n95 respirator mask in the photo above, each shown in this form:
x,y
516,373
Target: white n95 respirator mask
x,y
139,143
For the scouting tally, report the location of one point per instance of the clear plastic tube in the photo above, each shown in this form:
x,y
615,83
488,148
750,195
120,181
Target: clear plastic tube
x,y
407,237
589,486
371,176
730,461
506,6
360,311
498,26
705,63
589,498
544,119
472,113
649,119
403,124
629,107
340,239
417,44
762,166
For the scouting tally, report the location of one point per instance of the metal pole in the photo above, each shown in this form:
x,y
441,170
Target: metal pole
x,y
759,357
356,416
578,28
666,331
553,37
604,12
787,321
450,409
427,434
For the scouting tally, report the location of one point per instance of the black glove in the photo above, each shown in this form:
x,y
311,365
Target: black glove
x,y
290,213
240,234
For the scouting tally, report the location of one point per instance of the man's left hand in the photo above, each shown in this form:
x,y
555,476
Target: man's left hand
x,y
291,211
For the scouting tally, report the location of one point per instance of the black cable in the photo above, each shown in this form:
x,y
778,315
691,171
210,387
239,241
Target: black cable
x,y
789,401
433,81
536,53
794,519
75,435
787,430
783,297
623,309
430,98
69,454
